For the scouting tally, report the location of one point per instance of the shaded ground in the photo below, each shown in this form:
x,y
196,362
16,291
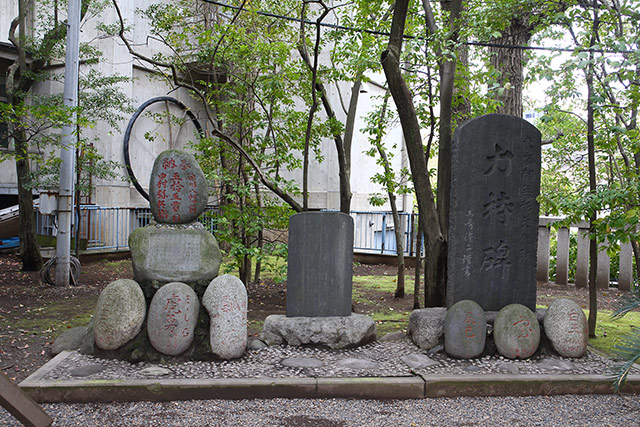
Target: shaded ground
x,y
32,314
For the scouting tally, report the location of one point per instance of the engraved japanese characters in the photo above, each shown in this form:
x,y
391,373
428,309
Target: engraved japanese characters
x,y
493,212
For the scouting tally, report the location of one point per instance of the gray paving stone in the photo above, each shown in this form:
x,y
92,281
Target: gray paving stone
x,y
85,371
353,363
418,361
301,362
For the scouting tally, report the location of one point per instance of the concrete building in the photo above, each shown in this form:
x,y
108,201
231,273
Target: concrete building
x,y
143,86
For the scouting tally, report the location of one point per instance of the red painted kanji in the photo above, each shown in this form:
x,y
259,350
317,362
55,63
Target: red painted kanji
x,y
168,163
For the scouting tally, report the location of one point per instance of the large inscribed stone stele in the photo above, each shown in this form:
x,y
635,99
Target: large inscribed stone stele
x,y
495,179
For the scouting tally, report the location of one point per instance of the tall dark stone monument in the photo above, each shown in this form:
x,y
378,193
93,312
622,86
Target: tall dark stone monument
x,y
320,265
495,179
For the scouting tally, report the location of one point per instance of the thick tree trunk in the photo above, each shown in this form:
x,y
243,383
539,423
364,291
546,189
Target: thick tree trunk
x,y
593,246
509,63
29,248
435,280
416,279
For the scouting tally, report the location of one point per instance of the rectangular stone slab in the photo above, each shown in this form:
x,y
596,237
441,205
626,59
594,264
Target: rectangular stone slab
x,y
495,179
320,267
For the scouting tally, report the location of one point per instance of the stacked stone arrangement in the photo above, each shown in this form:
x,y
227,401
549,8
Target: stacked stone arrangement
x,y
175,264
319,286
515,332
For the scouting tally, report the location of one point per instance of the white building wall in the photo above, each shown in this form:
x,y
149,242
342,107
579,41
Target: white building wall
x,y
324,177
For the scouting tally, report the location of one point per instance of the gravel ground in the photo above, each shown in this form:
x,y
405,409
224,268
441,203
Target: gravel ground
x,y
378,359
608,410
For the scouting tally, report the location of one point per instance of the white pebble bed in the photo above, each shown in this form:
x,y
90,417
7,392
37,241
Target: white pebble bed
x,y
385,358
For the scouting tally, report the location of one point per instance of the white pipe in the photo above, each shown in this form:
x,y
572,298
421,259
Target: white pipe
x,y
67,152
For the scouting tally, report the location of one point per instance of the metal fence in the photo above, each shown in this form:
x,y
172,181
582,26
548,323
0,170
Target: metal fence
x,y
374,232
108,228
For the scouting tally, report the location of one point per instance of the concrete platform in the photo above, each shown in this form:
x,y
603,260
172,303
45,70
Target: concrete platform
x,y
415,386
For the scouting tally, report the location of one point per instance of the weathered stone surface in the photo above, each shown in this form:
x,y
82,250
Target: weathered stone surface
x,y
418,361
354,363
80,339
516,332
154,371
549,364
119,315
320,264
256,345
172,318
226,302
85,371
495,180
465,330
335,332
177,189
173,254
491,315
565,325
393,336
426,326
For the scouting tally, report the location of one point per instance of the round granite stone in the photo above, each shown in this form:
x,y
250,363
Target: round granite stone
x,y
119,315
516,332
465,330
566,327
173,314
226,302
177,189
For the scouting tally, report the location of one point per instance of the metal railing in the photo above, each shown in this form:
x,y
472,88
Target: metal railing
x,y
374,232
104,228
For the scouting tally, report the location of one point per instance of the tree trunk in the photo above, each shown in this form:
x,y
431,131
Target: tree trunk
x,y
29,248
636,255
392,201
593,246
345,184
260,242
416,279
435,274
509,64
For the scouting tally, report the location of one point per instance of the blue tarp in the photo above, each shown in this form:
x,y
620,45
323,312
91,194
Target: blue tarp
x,y
12,242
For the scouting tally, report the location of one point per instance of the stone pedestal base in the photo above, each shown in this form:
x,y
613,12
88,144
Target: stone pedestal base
x,y
333,332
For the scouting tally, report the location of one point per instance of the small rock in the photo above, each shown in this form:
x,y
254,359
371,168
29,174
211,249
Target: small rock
x,y
336,332
85,371
509,368
418,361
80,338
256,345
556,364
426,326
393,336
358,363
154,371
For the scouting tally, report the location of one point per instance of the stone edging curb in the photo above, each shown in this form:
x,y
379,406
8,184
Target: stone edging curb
x,y
414,387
